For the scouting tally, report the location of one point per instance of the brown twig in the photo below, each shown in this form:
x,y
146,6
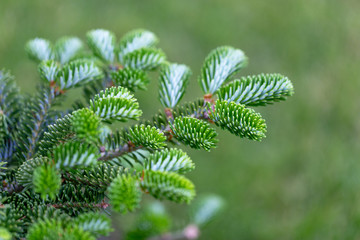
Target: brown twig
x,y
108,155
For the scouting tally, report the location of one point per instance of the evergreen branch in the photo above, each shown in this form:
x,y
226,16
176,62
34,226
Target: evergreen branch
x,y
144,59
169,185
36,116
86,125
173,160
77,73
238,120
118,143
41,212
134,40
46,180
120,109
257,90
67,48
49,70
24,174
57,133
194,132
74,199
115,104
174,79
132,79
115,92
95,223
57,170
74,153
195,109
98,176
102,44
40,49
147,137
219,66
124,193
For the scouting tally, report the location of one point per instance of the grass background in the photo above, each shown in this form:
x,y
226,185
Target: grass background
x,y
303,180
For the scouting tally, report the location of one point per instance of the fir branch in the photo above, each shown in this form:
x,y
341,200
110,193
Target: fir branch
x,y
102,44
34,120
194,132
46,180
74,154
169,185
144,59
257,90
77,73
24,174
57,169
99,176
40,49
57,133
146,137
173,160
95,223
85,124
134,40
49,71
219,66
173,82
75,193
67,48
115,103
125,193
238,120
132,79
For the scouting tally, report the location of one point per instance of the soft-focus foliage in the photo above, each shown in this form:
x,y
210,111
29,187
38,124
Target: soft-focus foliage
x,y
306,175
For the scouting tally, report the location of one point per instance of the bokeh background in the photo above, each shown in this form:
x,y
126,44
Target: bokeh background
x,y
303,180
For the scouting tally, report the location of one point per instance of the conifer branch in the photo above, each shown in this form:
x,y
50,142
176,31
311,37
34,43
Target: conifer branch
x,y
37,112
58,168
257,90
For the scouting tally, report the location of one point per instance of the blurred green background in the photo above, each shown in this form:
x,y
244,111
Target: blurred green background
x,y
303,180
